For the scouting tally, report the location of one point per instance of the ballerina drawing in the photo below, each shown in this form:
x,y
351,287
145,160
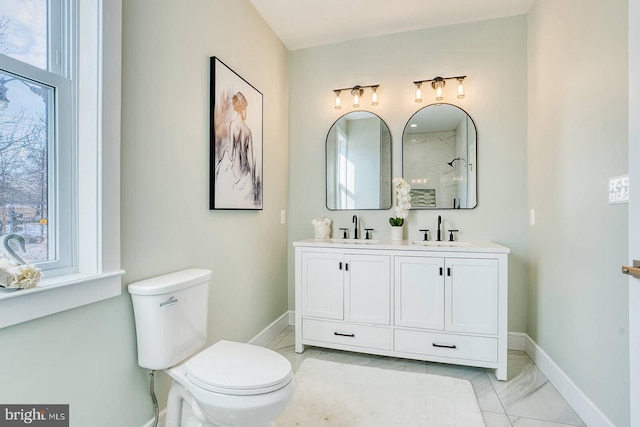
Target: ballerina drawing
x,y
237,153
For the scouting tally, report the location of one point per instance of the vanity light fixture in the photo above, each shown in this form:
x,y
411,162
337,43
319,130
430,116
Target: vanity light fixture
x,y
438,85
357,92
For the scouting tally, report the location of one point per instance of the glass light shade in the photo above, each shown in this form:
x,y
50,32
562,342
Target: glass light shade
x,y
460,89
356,97
438,86
418,93
374,96
338,106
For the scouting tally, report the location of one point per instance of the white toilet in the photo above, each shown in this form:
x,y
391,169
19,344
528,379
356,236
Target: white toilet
x,y
226,384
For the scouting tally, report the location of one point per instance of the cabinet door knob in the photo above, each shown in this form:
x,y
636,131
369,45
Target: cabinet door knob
x,y
340,266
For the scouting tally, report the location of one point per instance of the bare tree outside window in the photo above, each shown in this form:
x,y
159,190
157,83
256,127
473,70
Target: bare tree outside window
x,y
24,146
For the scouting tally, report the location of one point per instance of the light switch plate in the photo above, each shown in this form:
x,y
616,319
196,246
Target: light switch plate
x,y
619,189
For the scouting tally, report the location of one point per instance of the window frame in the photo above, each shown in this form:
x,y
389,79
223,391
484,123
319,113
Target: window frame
x,y
61,174
95,154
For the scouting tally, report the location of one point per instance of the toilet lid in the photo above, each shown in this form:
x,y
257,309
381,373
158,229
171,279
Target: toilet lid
x,y
239,369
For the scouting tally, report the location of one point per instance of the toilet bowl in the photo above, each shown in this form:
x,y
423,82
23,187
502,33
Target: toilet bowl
x,y
227,383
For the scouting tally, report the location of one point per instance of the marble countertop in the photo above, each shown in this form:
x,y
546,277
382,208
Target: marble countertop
x,y
405,245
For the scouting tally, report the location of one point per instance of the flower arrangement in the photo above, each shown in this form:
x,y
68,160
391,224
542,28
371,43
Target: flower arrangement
x,y
403,201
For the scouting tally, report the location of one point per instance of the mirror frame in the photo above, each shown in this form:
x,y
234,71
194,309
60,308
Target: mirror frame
x,y
326,160
476,156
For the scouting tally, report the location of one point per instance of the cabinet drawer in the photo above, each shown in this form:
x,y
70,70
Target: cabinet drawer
x,y
445,345
346,334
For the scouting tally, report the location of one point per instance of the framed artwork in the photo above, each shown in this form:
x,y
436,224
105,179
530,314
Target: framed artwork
x,y
236,178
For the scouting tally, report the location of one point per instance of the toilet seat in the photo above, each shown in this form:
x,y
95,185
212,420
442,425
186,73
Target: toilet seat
x,y
238,369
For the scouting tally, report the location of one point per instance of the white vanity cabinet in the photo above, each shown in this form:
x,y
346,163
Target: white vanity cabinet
x,y
452,304
346,286
451,294
435,303
342,297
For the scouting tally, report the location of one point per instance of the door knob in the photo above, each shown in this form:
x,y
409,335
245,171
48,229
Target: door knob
x,y
634,270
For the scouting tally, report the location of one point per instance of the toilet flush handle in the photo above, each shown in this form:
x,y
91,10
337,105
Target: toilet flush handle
x,y
170,301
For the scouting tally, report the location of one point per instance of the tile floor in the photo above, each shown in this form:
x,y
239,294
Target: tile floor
x,y
527,400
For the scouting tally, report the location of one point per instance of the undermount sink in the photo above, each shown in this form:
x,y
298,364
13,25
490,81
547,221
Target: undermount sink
x,y
360,241
442,243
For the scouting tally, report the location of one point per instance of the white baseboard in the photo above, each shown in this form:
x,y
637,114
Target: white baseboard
x,y
516,341
584,407
160,420
273,330
292,318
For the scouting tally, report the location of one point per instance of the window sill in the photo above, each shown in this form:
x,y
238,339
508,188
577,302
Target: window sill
x,y
57,294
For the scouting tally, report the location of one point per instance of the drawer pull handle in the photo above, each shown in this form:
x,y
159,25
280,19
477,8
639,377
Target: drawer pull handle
x,y
344,335
443,346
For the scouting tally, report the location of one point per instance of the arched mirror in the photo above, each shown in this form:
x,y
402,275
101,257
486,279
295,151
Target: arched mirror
x,y
439,158
358,163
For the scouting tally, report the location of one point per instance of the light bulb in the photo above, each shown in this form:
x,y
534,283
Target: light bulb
x,y
460,88
418,92
356,92
338,106
438,85
374,95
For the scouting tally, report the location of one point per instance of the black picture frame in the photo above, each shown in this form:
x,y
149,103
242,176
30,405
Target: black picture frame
x,y
236,141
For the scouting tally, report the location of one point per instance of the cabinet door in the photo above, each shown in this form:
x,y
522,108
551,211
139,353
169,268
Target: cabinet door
x,y
471,295
322,288
419,292
368,288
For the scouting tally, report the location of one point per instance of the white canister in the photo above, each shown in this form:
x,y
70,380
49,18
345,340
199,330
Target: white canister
x,y
321,227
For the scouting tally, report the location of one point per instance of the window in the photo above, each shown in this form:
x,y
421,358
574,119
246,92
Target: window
x,y
59,150
36,143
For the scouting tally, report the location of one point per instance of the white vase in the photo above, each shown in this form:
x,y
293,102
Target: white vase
x,y
397,232
321,231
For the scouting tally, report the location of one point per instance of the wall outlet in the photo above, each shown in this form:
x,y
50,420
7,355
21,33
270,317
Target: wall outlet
x,y
619,189
283,217
532,217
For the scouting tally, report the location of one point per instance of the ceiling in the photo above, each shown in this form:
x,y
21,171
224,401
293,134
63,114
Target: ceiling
x,y
305,23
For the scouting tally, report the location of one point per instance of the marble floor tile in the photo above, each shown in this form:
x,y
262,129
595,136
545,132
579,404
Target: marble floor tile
x,y
275,342
288,338
530,422
296,359
528,393
345,357
488,398
527,399
398,364
478,377
470,373
491,419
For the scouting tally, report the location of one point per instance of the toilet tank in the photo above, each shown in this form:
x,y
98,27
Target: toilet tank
x,y
171,316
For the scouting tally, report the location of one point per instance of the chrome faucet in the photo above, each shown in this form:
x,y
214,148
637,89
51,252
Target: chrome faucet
x,y
355,229
439,234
